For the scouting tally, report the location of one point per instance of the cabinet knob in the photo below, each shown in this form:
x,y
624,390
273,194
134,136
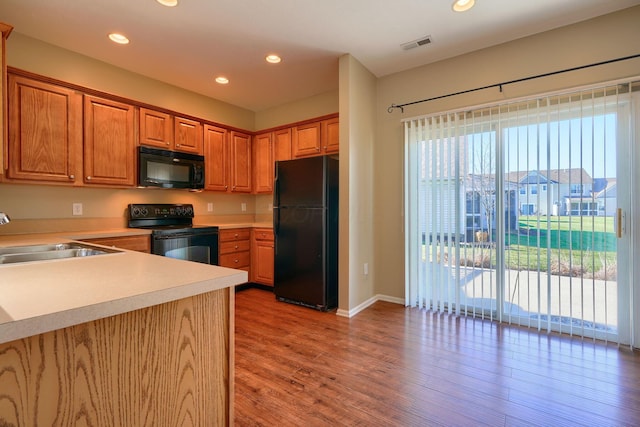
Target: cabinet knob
x,y
177,145
167,143
317,148
236,261
89,178
236,247
72,177
226,186
235,235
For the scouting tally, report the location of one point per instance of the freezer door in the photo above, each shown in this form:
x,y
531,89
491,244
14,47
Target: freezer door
x,y
299,256
300,182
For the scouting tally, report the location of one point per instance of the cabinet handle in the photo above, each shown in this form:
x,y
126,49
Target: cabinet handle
x,y
72,177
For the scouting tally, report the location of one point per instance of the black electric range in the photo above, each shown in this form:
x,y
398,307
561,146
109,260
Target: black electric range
x,y
173,233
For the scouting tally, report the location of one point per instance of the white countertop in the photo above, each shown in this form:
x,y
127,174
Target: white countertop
x,y
37,297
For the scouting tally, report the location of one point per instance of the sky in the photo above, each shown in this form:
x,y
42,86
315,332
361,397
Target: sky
x,y
588,143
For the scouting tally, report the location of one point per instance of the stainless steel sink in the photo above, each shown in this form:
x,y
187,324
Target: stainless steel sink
x,y
15,254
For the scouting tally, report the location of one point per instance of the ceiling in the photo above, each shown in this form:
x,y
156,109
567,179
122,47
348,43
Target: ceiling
x,y
190,44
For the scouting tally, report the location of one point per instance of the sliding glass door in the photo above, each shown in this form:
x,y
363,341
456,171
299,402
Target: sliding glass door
x,y
517,212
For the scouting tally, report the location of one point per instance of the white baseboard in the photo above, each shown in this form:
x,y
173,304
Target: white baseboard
x,y
367,303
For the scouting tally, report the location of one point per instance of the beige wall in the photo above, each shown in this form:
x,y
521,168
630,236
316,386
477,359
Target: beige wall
x,y
315,106
357,133
42,58
600,39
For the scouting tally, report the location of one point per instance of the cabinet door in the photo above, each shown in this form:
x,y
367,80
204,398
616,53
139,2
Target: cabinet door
x,y
109,145
240,162
188,135
45,131
263,268
306,140
263,163
331,135
282,144
156,129
216,155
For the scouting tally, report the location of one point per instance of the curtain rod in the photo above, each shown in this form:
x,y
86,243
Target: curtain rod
x,y
552,73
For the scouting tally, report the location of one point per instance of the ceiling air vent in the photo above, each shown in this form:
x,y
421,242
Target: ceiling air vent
x,y
416,43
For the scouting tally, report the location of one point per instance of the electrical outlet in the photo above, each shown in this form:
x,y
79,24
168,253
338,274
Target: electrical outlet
x,y
76,209
209,207
243,207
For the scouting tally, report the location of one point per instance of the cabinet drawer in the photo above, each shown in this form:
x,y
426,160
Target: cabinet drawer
x,y
234,234
236,260
263,234
235,246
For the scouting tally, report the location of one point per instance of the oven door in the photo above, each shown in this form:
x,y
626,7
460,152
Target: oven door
x,y
200,247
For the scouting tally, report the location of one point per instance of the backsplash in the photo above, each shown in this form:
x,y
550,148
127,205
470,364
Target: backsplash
x,y
38,208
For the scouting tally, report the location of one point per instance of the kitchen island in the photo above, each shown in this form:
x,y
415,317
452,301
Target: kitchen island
x,y
122,338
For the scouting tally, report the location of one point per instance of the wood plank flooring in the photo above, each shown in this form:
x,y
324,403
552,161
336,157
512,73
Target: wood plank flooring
x,y
394,366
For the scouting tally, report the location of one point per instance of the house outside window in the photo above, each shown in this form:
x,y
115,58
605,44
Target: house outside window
x,y
576,188
534,190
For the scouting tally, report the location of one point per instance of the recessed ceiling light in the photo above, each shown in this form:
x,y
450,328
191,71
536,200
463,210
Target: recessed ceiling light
x,y
169,3
273,59
463,5
118,38
222,80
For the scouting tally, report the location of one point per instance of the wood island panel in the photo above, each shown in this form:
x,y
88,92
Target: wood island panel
x,y
166,365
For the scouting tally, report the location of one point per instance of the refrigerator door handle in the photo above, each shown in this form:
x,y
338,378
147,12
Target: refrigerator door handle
x,y
276,228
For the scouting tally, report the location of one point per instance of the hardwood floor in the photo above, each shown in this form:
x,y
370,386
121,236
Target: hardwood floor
x,y
393,366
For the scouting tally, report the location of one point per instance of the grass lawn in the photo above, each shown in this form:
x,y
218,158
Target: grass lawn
x,y
575,223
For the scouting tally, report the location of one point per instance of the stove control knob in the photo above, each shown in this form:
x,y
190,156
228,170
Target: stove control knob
x,y
189,211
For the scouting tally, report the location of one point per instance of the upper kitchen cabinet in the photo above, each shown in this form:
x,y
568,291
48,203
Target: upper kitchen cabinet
x,y
315,138
109,142
227,157
306,140
330,135
216,158
240,159
263,163
282,144
45,131
163,130
188,135
5,30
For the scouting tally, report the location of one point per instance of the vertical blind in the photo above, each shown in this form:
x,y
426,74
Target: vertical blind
x,y
511,211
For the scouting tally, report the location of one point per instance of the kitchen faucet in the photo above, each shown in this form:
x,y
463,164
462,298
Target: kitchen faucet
x,y
4,218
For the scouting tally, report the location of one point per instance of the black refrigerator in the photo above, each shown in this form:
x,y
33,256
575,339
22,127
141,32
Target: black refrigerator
x,y
305,226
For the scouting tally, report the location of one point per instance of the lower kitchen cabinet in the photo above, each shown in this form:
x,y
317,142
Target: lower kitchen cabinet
x,y
235,248
132,243
262,256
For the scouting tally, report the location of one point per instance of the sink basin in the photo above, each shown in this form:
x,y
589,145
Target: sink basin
x,y
39,248
15,254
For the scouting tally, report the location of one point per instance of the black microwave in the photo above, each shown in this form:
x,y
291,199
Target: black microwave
x,y
170,169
